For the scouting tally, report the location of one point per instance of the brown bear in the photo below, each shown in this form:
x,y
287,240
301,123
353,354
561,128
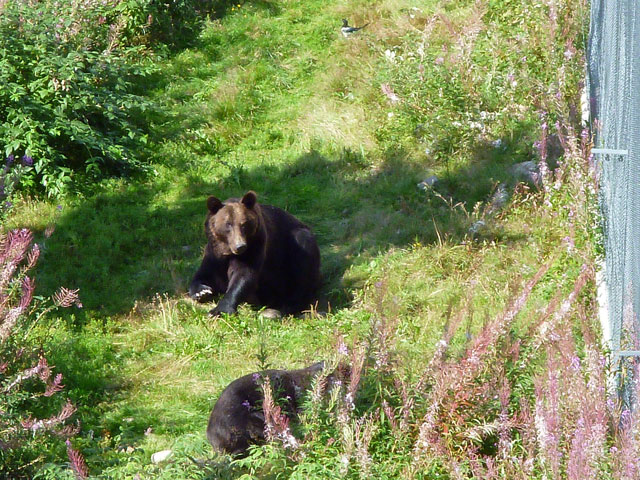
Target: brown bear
x,y
258,254
237,419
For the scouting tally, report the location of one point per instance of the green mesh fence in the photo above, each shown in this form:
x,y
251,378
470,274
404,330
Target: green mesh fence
x,y
614,87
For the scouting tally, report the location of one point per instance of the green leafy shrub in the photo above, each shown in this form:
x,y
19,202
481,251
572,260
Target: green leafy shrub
x,y
11,171
70,72
67,98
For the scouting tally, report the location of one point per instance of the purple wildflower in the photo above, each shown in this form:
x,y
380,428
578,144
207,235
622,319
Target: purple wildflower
x,y
65,297
276,423
389,93
48,424
575,363
365,428
10,159
568,241
77,462
55,386
27,161
246,404
342,348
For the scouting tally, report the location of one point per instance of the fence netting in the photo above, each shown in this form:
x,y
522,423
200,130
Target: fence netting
x,y
614,88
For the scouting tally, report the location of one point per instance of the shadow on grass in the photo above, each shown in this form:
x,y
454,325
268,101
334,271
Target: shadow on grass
x,y
114,421
126,246
177,25
92,371
122,247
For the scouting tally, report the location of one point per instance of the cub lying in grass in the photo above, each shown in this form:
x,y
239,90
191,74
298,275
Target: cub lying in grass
x,y
237,419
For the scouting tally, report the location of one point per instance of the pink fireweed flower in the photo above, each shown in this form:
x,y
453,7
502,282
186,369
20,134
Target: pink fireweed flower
x,y
54,386
341,347
49,423
389,93
65,297
276,424
77,462
365,428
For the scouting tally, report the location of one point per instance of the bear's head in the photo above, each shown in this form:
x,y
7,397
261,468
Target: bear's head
x,y
232,224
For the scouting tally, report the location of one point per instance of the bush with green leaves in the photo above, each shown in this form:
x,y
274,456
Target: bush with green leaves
x,y
11,170
67,98
70,72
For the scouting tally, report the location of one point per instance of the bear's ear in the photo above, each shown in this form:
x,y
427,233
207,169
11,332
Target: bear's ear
x,y
316,367
249,199
213,204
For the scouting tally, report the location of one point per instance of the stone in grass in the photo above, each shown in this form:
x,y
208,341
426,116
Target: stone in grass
x,y
498,200
428,183
160,456
526,172
499,144
271,314
477,228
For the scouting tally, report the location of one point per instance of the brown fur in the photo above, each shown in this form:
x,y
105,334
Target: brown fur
x,y
258,254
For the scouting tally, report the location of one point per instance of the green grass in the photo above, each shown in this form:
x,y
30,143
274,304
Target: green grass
x,y
273,99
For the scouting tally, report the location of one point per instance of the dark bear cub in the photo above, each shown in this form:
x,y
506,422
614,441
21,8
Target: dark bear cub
x,y
258,254
237,419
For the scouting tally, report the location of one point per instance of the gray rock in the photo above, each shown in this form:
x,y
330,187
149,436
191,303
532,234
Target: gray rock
x,y
498,200
160,456
526,172
271,313
477,227
499,144
428,183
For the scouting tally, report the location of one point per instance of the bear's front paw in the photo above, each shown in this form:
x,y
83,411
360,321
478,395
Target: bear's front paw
x,y
201,293
222,309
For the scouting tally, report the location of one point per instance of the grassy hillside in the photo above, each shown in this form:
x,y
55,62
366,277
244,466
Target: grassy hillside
x,y
340,132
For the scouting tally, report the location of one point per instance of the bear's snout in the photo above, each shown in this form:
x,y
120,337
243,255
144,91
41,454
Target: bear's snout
x,y
239,247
